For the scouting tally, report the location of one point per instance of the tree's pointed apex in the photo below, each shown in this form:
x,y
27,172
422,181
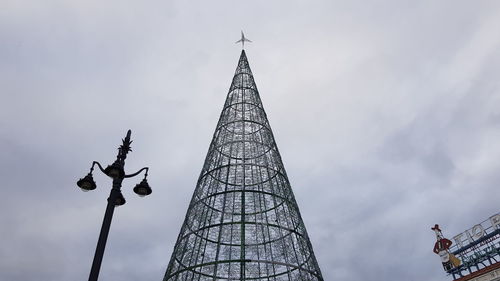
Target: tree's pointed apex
x,y
243,55
243,65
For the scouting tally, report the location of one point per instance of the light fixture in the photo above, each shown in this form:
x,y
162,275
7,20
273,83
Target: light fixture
x,y
143,189
87,183
115,170
120,200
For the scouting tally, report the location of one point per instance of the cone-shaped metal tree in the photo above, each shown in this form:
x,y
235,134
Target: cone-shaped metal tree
x,y
243,222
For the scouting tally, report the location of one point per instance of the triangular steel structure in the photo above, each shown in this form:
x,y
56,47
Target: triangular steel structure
x,y
243,222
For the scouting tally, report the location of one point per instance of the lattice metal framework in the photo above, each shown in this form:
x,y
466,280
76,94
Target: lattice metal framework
x,y
243,222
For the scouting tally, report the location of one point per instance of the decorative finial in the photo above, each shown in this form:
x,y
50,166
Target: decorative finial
x,y
242,40
125,147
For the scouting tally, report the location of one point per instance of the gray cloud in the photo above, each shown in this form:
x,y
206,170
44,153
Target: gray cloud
x,y
385,113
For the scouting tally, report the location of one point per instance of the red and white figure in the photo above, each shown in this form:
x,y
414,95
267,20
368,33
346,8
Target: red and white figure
x,y
441,247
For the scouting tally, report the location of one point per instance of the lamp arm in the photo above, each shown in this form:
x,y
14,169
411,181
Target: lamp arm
x,y
138,172
98,164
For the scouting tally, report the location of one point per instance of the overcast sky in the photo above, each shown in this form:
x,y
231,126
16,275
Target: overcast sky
x,y
386,113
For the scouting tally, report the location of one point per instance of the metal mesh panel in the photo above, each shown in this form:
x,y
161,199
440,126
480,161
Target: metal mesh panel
x,y
243,222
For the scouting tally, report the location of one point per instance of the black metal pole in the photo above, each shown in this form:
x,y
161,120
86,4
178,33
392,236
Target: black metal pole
x,y
103,236
115,171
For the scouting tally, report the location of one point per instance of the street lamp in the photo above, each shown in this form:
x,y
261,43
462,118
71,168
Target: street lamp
x,y
115,171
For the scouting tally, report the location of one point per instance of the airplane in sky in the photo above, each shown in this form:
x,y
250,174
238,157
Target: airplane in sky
x,y
242,40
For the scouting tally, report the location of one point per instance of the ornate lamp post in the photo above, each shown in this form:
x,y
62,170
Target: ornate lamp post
x,y
117,173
